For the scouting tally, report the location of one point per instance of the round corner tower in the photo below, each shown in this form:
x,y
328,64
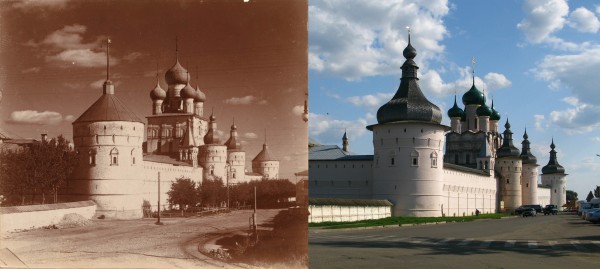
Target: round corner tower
x,y
236,158
408,142
265,164
213,154
529,175
108,138
553,176
509,165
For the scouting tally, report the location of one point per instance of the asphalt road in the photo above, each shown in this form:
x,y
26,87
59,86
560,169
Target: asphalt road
x,y
561,241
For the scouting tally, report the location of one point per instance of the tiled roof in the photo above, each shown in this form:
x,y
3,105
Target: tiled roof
x,y
108,108
325,152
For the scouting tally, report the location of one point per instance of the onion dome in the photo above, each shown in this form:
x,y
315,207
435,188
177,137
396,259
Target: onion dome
x,y
158,93
484,109
473,96
200,96
232,143
526,155
553,167
188,92
507,149
495,114
455,111
177,74
409,103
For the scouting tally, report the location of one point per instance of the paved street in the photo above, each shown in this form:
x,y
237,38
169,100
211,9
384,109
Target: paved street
x,y
558,241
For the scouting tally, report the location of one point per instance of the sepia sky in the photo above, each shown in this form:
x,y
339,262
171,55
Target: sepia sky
x,y
249,58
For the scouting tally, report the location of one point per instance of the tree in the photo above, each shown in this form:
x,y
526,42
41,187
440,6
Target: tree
x,y
597,192
571,198
590,196
183,193
212,191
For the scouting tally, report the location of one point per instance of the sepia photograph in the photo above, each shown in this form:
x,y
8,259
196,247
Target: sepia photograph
x,y
153,134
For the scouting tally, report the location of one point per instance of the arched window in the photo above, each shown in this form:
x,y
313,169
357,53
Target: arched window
x,y
212,170
92,154
414,158
114,157
233,173
434,157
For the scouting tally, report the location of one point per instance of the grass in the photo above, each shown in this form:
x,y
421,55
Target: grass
x,y
396,221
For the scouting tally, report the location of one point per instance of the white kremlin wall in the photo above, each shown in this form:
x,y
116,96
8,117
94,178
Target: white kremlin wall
x,y
464,192
340,179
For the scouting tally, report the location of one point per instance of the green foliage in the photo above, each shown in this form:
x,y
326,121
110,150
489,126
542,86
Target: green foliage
x,y
40,168
271,193
597,192
183,192
571,196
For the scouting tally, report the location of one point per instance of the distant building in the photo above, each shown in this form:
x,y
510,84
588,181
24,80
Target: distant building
x,y
119,170
481,169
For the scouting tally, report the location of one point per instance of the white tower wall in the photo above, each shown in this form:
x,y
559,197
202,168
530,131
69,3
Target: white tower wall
x,y
558,188
213,158
237,164
529,184
408,167
510,170
110,158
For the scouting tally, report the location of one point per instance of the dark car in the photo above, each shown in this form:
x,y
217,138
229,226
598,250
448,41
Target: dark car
x,y
529,212
521,209
538,208
550,210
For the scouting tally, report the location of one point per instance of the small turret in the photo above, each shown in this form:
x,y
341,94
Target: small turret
x,y
345,143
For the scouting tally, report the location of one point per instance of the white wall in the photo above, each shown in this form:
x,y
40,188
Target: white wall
x,y
340,179
543,196
335,213
465,192
36,216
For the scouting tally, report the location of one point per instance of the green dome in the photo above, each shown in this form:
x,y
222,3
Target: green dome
x,y
473,96
484,109
455,111
495,114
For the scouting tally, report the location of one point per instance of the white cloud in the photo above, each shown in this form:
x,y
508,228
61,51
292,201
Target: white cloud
x,y
34,69
327,130
577,72
367,38
583,20
36,4
542,18
496,81
132,56
370,101
595,138
37,118
580,118
246,100
250,135
78,58
539,122
298,110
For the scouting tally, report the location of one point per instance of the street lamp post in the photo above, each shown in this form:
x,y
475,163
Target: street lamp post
x,y
158,221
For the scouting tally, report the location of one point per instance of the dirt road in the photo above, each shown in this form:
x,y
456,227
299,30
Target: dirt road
x,y
129,243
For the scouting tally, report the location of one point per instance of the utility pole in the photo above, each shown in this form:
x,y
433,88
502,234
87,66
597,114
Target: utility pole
x,y
158,221
254,215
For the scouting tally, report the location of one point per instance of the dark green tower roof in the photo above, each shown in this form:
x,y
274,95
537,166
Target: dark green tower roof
x,y
507,149
495,114
484,109
455,111
473,96
553,167
526,155
409,103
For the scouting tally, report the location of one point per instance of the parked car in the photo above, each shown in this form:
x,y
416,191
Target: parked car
x,y
594,217
550,209
529,212
538,208
585,213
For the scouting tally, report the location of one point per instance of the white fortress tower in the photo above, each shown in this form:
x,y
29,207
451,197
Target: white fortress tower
x,y
108,138
509,166
265,164
408,141
236,158
529,186
213,155
553,176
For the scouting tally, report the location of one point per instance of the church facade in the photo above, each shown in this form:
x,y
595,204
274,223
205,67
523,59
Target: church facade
x,y
119,169
480,169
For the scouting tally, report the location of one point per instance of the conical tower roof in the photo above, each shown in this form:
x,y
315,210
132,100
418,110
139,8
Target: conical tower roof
x,y
507,149
526,155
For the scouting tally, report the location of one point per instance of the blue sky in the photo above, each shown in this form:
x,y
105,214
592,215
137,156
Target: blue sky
x,y
538,60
